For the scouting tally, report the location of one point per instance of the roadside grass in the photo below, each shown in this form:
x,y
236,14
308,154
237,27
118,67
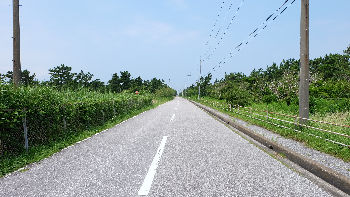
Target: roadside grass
x,y
338,117
11,163
294,132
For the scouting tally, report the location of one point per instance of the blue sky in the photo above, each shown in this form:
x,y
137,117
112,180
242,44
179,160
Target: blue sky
x,y
163,38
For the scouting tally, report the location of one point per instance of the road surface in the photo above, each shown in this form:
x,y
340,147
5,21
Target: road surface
x,y
173,150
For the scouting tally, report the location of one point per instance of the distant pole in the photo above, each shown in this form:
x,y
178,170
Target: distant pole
x,y
199,81
16,45
189,75
304,63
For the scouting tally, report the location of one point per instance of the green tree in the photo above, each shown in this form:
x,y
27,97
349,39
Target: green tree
x,y
97,85
61,76
347,51
137,84
125,80
332,67
26,78
83,79
237,93
155,84
2,78
205,84
114,84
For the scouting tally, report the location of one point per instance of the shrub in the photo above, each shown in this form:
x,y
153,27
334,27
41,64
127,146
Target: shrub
x,y
53,114
165,92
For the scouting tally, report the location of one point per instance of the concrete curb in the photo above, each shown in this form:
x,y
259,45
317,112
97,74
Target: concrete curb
x,y
330,176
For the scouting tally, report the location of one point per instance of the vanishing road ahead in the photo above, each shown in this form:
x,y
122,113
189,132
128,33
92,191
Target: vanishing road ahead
x,y
173,150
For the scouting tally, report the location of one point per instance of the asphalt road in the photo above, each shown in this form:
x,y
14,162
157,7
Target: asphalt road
x,y
173,150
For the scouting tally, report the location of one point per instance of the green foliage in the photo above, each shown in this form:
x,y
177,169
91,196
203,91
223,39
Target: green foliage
x,y
332,67
276,90
26,78
236,93
97,85
205,84
330,89
53,114
125,80
165,92
114,83
2,78
347,50
126,83
61,76
329,79
155,84
66,109
83,79
137,84
324,106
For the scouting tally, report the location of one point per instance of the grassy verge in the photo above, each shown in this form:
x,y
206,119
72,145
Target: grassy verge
x,y
301,134
11,163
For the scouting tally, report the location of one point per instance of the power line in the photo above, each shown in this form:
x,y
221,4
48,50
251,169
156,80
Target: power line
x,y
224,33
215,23
263,25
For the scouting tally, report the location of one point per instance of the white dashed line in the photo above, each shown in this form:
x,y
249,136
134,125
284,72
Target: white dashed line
x,y
147,183
172,118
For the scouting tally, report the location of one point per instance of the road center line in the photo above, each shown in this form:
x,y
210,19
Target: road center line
x,y
172,118
147,183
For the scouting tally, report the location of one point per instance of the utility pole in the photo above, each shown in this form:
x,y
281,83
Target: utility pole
x,y
189,75
16,45
304,63
199,81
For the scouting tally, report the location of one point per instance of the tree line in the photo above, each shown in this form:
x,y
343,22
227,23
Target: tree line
x,y
329,79
62,77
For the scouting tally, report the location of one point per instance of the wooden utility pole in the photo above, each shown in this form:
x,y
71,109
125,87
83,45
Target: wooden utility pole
x,y
199,81
16,45
304,63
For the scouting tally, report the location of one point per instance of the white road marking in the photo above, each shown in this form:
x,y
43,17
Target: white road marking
x,y
147,183
172,118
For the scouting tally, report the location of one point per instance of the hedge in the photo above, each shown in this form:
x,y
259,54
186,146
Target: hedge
x,y
51,114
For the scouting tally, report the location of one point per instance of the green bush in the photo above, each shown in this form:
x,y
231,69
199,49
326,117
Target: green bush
x,y
53,114
330,89
165,92
323,106
237,94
